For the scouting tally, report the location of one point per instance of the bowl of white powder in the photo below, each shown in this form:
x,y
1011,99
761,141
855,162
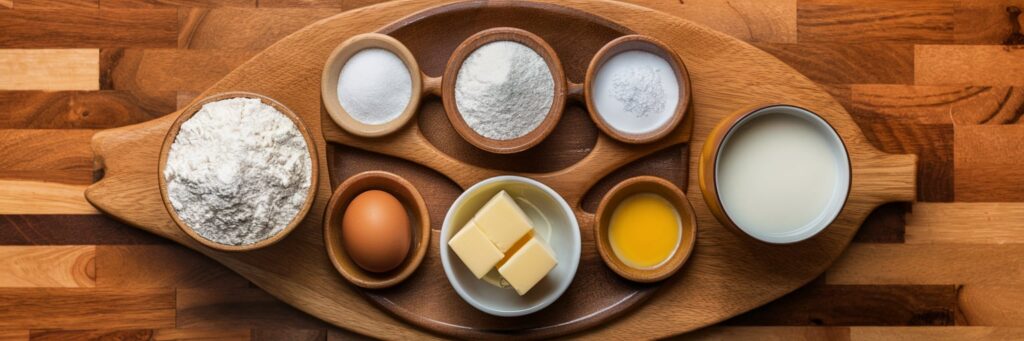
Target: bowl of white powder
x,y
504,90
637,89
371,85
238,171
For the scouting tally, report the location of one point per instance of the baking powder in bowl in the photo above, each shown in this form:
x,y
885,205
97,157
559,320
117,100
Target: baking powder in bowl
x,y
238,171
504,90
374,86
636,92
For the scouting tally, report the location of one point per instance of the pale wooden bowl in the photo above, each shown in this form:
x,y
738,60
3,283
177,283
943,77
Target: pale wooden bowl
x,y
421,84
419,221
647,44
688,220
191,110
451,72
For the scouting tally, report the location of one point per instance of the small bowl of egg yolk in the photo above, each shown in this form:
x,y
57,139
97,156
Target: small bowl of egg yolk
x,y
645,229
376,229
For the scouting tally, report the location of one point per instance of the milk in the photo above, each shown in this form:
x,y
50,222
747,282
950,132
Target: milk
x,y
782,177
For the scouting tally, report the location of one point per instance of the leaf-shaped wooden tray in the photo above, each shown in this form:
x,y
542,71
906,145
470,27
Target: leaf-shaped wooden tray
x,y
725,276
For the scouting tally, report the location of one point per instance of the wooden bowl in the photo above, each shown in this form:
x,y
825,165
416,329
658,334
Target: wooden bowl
x,y
419,221
187,114
452,71
665,189
717,139
332,71
647,44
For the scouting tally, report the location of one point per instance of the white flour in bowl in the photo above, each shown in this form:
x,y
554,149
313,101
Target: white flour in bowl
x,y
238,171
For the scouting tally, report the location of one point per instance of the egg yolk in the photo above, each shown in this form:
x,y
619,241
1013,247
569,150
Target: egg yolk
x,y
644,231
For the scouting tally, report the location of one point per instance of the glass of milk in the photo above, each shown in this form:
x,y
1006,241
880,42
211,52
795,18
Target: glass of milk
x,y
779,174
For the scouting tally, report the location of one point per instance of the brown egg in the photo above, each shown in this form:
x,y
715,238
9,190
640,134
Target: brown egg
x,y
375,231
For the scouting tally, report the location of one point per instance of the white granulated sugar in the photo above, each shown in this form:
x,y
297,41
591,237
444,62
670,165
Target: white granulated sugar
x,y
636,92
238,171
374,86
504,90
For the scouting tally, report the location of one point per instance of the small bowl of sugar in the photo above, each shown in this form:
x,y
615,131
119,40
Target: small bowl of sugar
x,y
637,89
371,85
504,90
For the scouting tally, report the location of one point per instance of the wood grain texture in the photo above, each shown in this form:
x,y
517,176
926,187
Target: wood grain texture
x,y
58,69
984,22
238,307
88,28
176,3
966,223
704,64
748,20
85,308
935,333
886,224
201,28
928,264
968,64
992,305
58,156
81,109
769,333
34,197
131,266
987,160
834,63
154,71
47,266
142,334
66,229
45,4
14,335
923,21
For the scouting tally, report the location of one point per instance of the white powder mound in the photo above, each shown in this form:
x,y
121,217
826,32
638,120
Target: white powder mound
x,y
639,89
238,171
374,86
504,90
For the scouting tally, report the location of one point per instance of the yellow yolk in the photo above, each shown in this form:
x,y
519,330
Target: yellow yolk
x,y
644,230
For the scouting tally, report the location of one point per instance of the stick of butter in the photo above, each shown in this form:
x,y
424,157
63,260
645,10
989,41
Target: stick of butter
x,y
502,221
528,266
475,250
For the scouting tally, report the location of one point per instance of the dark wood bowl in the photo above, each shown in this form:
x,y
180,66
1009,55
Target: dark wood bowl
x,y
687,220
419,222
451,72
647,44
191,110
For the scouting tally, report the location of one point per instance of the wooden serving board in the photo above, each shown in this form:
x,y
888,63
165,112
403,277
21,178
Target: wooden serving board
x,y
725,276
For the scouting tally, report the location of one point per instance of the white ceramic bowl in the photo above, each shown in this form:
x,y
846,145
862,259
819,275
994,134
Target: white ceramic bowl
x,y
554,222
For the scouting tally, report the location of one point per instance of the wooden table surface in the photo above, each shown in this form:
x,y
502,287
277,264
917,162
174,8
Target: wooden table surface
x,y
939,78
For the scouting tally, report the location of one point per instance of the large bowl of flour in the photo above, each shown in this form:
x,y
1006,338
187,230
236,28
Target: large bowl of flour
x,y
238,171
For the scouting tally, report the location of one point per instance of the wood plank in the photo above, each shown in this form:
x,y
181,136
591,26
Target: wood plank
x,y
984,22
14,335
150,71
859,305
62,156
47,266
834,63
53,69
338,334
6,4
48,4
935,333
53,229
993,305
261,334
242,29
81,109
988,162
160,266
768,333
926,21
175,3
89,28
142,334
33,197
749,20
85,308
185,98
966,223
928,264
941,104
968,65
339,4
886,224
996,105
234,308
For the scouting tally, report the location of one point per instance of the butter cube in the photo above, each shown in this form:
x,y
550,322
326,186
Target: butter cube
x,y
502,221
475,250
528,266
